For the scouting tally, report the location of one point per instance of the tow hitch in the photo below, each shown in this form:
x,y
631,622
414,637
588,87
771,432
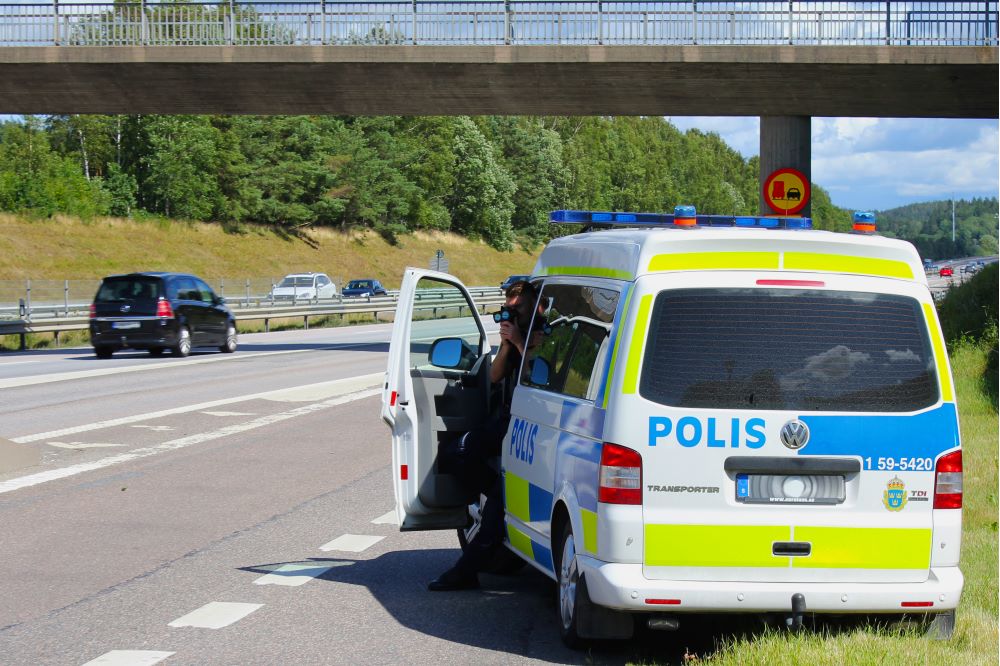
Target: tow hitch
x,y
794,621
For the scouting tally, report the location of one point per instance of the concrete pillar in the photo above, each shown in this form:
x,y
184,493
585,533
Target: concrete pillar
x,y
785,143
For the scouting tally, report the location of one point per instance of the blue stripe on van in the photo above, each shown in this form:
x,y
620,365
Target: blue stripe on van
x,y
542,555
539,503
924,435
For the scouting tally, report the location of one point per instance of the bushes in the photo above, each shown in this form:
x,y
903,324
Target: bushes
x,y
969,316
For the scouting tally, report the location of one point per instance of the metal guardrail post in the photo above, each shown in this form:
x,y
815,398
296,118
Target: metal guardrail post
x,y
144,24
888,22
322,22
27,300
414,22
55,21
65,301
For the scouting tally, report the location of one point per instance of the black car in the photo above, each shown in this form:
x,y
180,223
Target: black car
x,y
158,311
505,285
367,287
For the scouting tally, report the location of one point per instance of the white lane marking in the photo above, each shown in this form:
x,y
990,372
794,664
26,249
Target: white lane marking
x,y
229,413
81,445
293,575
387,519
165,365
129,658
335,387
215,615
352,543
53,474
159,428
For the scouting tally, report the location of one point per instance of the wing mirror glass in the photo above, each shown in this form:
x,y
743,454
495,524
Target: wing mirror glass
x,y
447,352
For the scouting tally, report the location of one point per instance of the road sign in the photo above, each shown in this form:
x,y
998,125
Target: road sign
x,y
786,191
439,263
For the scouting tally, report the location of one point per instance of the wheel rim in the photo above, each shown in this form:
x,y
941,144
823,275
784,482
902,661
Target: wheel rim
x,y
231,339
568,578
184,344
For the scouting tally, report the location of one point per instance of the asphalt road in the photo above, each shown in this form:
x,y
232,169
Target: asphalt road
x,y
236,509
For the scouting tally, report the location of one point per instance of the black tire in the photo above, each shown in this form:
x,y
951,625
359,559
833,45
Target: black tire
x,y
103,352
568,590
156,351
503,562
229,346
182,347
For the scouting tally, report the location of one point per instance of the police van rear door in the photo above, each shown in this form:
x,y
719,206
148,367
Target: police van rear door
x,y
789,426
436,389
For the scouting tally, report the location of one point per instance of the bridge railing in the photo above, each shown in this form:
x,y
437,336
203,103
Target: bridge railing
x,y
496,22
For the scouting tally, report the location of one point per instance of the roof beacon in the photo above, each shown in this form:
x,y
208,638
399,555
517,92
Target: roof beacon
x,y
864,223
685,217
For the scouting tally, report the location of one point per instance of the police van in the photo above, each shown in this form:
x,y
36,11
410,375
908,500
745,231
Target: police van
x,y
720,414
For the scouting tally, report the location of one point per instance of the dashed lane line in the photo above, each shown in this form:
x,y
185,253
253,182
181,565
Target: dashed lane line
x,y
229,413
129,658
352,543
388,518
322,389
215,615
76,446
172,445
295,574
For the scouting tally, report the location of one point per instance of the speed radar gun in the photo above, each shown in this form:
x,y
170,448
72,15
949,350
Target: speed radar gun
x,y
506,314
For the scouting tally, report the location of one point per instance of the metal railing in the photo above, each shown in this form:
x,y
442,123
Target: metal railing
x,y
442,22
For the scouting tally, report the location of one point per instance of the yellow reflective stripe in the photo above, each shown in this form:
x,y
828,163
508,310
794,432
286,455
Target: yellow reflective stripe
x,y
714,545
635,346
940,355
590,271
614,352
520,541
844,263
516,497
864,548
694,261
589,520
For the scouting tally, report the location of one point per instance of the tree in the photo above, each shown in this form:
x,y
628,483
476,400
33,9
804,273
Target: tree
x,y
482,201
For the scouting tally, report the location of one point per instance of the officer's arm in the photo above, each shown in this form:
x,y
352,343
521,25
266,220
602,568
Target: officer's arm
x,y
498,370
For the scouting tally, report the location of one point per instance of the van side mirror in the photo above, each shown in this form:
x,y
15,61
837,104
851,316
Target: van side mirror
x,y
448,352
539,372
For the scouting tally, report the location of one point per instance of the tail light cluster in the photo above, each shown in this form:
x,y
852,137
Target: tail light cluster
x,y
948,481
163,308
620,476
93,310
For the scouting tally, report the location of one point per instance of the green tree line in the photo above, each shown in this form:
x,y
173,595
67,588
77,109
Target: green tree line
x,y
495,178
928,226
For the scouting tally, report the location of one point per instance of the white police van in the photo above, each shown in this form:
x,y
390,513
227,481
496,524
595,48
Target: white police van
x,y
724,414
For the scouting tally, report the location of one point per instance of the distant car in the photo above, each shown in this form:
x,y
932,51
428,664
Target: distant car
x,y
946,271
304,287
158,311
367,287
511,279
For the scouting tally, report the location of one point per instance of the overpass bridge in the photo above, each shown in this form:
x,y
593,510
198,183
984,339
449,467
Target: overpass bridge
x,y
783,61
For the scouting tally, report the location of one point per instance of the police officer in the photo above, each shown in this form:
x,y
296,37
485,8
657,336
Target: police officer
x,y
479,448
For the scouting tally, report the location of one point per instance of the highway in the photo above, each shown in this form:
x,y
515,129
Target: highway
x,y
236,509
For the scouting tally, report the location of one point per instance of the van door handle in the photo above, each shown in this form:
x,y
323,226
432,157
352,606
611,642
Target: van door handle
x,y
791,548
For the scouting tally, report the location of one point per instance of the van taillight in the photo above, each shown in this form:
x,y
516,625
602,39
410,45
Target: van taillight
x,y
93,310
163,308
620,476
948,482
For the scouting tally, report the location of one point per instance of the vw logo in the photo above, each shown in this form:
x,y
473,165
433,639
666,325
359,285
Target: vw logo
x,y
126,308
795,435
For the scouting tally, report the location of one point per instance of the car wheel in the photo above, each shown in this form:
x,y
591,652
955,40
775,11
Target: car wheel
x,y
183,346
229,346
503,561
569,589
156,351
103,352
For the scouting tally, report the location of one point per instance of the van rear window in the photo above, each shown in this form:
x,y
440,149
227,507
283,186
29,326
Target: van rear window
x,y
788,350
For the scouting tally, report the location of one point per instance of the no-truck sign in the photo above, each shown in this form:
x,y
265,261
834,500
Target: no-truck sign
x,y
786,191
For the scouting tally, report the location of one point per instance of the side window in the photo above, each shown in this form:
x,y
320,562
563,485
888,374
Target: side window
x,y
322,281
441,310
205,292
570,340
186,290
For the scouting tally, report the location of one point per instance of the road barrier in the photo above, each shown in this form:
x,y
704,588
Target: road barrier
x,y
436,301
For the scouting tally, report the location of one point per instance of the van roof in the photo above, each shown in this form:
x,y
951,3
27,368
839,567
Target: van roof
x,y
626,254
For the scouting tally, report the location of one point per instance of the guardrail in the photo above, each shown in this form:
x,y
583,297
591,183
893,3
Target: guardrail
x,y
427,300
495,22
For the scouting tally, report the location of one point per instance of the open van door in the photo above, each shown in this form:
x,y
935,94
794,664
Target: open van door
x,y
437,388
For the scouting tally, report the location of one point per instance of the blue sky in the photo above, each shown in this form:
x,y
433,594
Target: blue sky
x,y
881,163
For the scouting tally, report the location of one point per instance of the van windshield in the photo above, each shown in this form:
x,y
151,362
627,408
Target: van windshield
x,y
788,350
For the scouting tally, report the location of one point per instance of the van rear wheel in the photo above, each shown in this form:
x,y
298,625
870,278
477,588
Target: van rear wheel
x,y
569,589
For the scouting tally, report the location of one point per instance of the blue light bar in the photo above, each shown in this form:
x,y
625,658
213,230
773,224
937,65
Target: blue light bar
x,y
610,219
864,217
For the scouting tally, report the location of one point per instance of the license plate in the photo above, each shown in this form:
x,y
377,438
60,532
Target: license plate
x,y
124,324
790,488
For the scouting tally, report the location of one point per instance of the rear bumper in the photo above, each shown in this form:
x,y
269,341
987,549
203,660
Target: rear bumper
x,y
135,339
623,586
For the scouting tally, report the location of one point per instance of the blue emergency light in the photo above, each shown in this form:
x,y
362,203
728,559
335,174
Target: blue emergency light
x,y
682,217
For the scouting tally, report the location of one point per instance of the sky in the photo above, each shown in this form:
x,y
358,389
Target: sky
x,y
881,163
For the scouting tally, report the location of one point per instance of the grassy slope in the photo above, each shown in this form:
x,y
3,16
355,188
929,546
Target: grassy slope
x,y
63,248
